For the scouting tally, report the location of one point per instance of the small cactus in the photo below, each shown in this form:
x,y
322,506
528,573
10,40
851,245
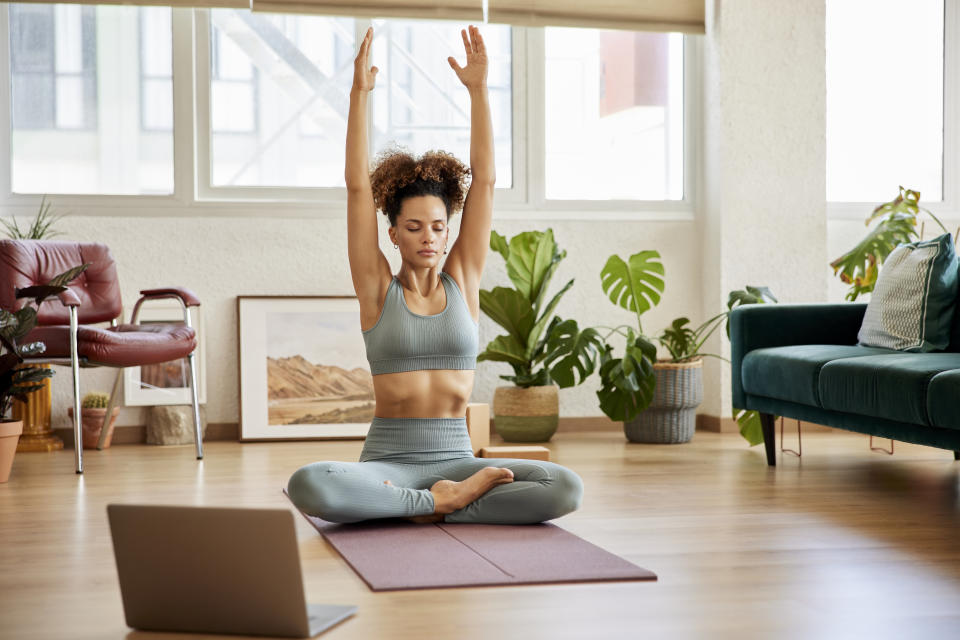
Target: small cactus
x,y
95,400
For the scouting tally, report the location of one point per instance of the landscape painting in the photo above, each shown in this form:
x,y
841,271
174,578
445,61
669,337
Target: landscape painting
x,y
303,368
316,369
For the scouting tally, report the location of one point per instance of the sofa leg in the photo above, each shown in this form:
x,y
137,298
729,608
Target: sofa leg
x,y
767,421
956,455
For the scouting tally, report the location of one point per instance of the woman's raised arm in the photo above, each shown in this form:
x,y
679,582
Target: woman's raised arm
x,y
469,253
368,265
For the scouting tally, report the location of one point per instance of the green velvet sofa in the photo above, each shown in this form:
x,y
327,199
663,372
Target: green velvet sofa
x,y
802,361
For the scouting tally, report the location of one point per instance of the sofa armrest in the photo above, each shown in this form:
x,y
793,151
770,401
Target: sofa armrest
x,y
757,326
188,297
68,298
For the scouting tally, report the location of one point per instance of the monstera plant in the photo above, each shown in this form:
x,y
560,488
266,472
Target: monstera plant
x,y
896,223
628,382
544,351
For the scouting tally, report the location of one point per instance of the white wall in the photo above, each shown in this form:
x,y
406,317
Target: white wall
x,y
764,159
223,257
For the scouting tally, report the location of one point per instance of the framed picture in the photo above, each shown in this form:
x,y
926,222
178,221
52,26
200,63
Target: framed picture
x,y
167,382
303,368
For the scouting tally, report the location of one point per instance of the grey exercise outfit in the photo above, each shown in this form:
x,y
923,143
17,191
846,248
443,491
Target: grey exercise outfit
x,y
415,453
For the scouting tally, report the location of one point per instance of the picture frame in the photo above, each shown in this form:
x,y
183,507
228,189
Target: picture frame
x,y
303,372
167,383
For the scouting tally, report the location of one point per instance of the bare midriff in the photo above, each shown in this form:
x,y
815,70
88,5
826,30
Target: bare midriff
x,y
430,393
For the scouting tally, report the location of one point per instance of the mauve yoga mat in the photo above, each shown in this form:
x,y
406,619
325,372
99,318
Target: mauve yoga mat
x,y
392,555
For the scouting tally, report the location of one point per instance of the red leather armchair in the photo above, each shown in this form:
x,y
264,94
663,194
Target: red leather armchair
x,y
94,297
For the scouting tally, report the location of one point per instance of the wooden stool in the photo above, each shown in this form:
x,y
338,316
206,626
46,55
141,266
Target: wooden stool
x,y
527,453
478,425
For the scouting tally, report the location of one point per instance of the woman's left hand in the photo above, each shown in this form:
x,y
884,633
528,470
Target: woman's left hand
x,y
474,75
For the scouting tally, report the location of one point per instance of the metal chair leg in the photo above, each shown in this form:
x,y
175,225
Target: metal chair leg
x,y
197,435
114,394
75,368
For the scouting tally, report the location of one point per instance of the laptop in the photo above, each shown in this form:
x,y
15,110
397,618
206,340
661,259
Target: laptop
x,y
214,570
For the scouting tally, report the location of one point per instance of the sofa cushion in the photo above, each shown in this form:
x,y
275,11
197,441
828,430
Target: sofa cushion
x,y
884,386
911,308
791,373
943,394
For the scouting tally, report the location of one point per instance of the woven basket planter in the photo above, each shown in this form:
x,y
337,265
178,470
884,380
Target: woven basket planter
x,y
526,414
672,416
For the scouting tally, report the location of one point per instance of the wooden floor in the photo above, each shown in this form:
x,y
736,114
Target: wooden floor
x,y
843,543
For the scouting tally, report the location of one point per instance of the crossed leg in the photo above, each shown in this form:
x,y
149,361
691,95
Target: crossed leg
x,y
460,490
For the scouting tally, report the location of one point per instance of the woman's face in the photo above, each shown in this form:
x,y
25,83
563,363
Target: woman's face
x,y
421,230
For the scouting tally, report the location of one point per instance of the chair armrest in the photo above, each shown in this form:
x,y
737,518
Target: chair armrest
x,y
188,297
757,326
68,298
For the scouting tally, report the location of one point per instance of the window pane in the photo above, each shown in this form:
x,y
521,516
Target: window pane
x,y
75,93
884,99
270,73
614,116
157,101
419,103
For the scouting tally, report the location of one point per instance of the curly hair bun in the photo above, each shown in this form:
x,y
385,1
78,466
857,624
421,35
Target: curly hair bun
x,y
437,172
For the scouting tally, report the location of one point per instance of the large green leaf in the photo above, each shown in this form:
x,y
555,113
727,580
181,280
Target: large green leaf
x,y
499,244
505,349
511,310
68,275
531,254
25,375
533,339
859,266
750,426
572,353
628,383
635,285
750,295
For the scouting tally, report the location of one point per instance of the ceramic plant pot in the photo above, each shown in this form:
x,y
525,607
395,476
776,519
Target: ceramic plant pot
x,y
526,414
672,416
91,421
9,435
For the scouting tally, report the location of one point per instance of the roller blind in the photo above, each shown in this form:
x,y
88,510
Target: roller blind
x,y
637,15
686,16
221,4
469,10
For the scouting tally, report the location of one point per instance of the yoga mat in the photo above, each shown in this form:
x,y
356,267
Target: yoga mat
x,y
393,555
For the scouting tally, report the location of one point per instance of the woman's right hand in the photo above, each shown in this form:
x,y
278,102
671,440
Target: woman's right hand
x,y
364,76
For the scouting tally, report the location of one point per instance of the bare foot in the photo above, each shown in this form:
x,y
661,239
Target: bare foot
x,y
448,496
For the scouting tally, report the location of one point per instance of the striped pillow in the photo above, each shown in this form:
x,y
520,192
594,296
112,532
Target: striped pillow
x,y
912,303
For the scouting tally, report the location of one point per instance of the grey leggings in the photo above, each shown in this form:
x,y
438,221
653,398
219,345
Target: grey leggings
x,y
415,453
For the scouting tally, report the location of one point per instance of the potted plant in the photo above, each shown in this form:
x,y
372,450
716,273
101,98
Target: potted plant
x,y
545,352
34,410
93,414
896,224
655,399
16,382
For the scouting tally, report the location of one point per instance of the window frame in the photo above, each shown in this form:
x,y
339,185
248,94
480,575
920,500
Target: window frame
x,y
193,193
949,206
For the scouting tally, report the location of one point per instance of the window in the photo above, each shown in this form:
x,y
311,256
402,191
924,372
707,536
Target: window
x,y
52,67
280,93
614,115
75,76
420,103
583,119
885,99
156,70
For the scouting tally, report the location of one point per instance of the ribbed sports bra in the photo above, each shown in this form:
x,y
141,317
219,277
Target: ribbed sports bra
x,y
402,340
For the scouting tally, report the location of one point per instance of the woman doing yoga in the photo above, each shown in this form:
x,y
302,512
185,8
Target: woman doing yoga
x,y
420,331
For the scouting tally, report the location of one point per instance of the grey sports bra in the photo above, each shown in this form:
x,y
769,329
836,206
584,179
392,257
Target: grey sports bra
x,y
402,340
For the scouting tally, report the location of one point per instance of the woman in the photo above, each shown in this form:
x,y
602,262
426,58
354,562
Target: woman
x,y
420,331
